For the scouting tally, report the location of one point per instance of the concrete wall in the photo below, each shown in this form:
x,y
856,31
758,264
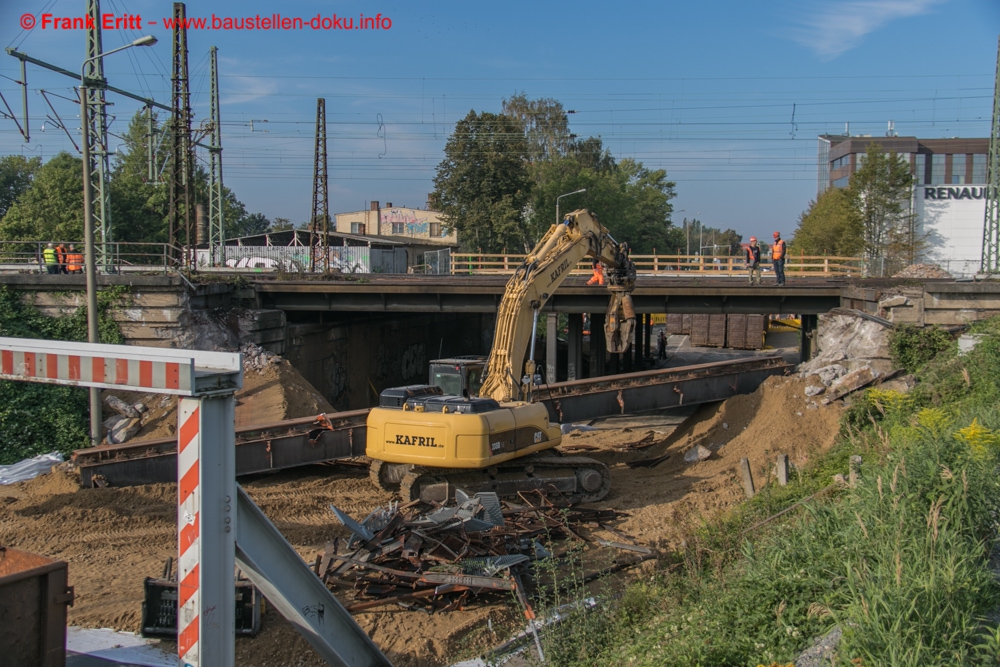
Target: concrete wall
x,y
350,362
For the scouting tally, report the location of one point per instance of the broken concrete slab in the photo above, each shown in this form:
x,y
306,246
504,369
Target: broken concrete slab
x,y
124,431
698,453
850,383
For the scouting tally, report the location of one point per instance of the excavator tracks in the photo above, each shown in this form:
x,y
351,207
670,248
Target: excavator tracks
x,y
577,479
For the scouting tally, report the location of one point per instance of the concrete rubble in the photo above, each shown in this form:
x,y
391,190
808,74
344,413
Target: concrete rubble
x,y
853,353
924,271
256,358
698,453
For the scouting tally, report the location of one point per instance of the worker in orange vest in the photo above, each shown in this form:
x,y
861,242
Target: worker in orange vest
x,y
778,252
74,260
61,256
598,277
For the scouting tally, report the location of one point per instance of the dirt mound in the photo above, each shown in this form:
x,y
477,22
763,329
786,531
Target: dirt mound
x,y
271,393
778,418
923,271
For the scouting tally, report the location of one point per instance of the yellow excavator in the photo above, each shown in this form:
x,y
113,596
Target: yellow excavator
x,y
426,444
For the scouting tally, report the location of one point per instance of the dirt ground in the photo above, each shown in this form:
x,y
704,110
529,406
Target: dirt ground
x,y
113,538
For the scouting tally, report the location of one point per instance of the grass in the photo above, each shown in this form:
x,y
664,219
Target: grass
x,y
900,563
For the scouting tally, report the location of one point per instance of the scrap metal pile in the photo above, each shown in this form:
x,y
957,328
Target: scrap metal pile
x,y
436,558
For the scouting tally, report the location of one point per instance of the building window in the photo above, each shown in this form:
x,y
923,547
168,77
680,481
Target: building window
x,y
979,168
919,169
842,162
434,229
958,168
399,228
358,228
842,182
937,169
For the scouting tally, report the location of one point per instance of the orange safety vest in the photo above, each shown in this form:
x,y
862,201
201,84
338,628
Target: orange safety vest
x,y
778,249
74,262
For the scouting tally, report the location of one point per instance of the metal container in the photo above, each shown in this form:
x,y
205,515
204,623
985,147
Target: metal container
x,y
33,599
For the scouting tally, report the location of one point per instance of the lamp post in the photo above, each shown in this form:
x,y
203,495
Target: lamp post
x,y
575,192
88,230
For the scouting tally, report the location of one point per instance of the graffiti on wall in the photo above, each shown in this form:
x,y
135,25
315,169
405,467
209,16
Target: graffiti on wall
x,y
346,259
393,218
414,363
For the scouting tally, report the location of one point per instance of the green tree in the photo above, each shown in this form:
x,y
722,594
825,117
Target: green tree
x,y
879,191
16,174
139,206
483,184
52,208
546,125
830,226
281,225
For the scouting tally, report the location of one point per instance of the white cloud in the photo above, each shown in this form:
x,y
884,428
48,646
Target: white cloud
x,y
838,27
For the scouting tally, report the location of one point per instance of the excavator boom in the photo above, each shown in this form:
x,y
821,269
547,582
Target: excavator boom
x,y
579,235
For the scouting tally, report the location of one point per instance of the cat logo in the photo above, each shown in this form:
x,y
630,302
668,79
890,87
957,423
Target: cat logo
x,y
538,437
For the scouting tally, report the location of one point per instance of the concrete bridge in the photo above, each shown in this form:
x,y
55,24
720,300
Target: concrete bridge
x,y
351,336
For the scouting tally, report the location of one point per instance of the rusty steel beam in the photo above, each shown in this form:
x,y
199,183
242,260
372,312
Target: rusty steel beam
x,y
259,448
342,435
631,393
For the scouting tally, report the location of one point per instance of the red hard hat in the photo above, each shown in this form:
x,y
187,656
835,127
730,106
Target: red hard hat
x,y
776,235
752,239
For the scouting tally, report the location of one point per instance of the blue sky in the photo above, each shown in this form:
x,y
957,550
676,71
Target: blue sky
x,y
704,90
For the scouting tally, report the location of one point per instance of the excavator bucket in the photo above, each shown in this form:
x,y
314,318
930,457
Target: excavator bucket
x,y
620,322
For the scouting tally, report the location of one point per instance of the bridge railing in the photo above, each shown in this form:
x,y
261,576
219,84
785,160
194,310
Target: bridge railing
x,y
665,265
121,257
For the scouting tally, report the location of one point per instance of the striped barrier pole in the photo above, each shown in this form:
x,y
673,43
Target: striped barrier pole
x,y
206,530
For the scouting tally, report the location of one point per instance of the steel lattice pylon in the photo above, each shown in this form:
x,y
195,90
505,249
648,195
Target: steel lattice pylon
x,y
991,223
98,119
181,158
216,230
321,194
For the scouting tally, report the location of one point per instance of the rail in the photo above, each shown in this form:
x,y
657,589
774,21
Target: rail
x,y
665,265
122,257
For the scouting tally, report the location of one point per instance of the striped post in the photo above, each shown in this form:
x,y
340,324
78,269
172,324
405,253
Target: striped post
x,y
188,526
206,531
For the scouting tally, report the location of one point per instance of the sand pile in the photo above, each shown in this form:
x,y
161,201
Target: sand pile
x,y
778,418
273,391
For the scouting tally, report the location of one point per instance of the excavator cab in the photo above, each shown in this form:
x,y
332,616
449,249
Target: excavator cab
x,y
458,376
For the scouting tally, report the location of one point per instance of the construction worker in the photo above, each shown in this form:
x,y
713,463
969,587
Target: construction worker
x,y
74,260
598,277
778,258
753,261
61,256
50,258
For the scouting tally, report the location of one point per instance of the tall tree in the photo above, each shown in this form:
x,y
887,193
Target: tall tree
x,y
879,191
483,184
830,226
52,208
546,125
16,173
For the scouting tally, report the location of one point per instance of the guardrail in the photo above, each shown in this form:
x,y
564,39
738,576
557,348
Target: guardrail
x,y
665,265
122,257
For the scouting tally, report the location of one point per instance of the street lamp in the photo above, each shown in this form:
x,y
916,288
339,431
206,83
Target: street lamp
x,y
88,231
575,192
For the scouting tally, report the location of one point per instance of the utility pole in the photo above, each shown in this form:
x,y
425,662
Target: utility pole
x,y
320,193
97,117
991,222
181,171
216,232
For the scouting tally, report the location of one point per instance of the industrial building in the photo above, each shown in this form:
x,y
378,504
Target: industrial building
x,y
397,222
949,189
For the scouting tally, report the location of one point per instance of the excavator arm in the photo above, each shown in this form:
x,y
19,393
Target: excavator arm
x,y
579,235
